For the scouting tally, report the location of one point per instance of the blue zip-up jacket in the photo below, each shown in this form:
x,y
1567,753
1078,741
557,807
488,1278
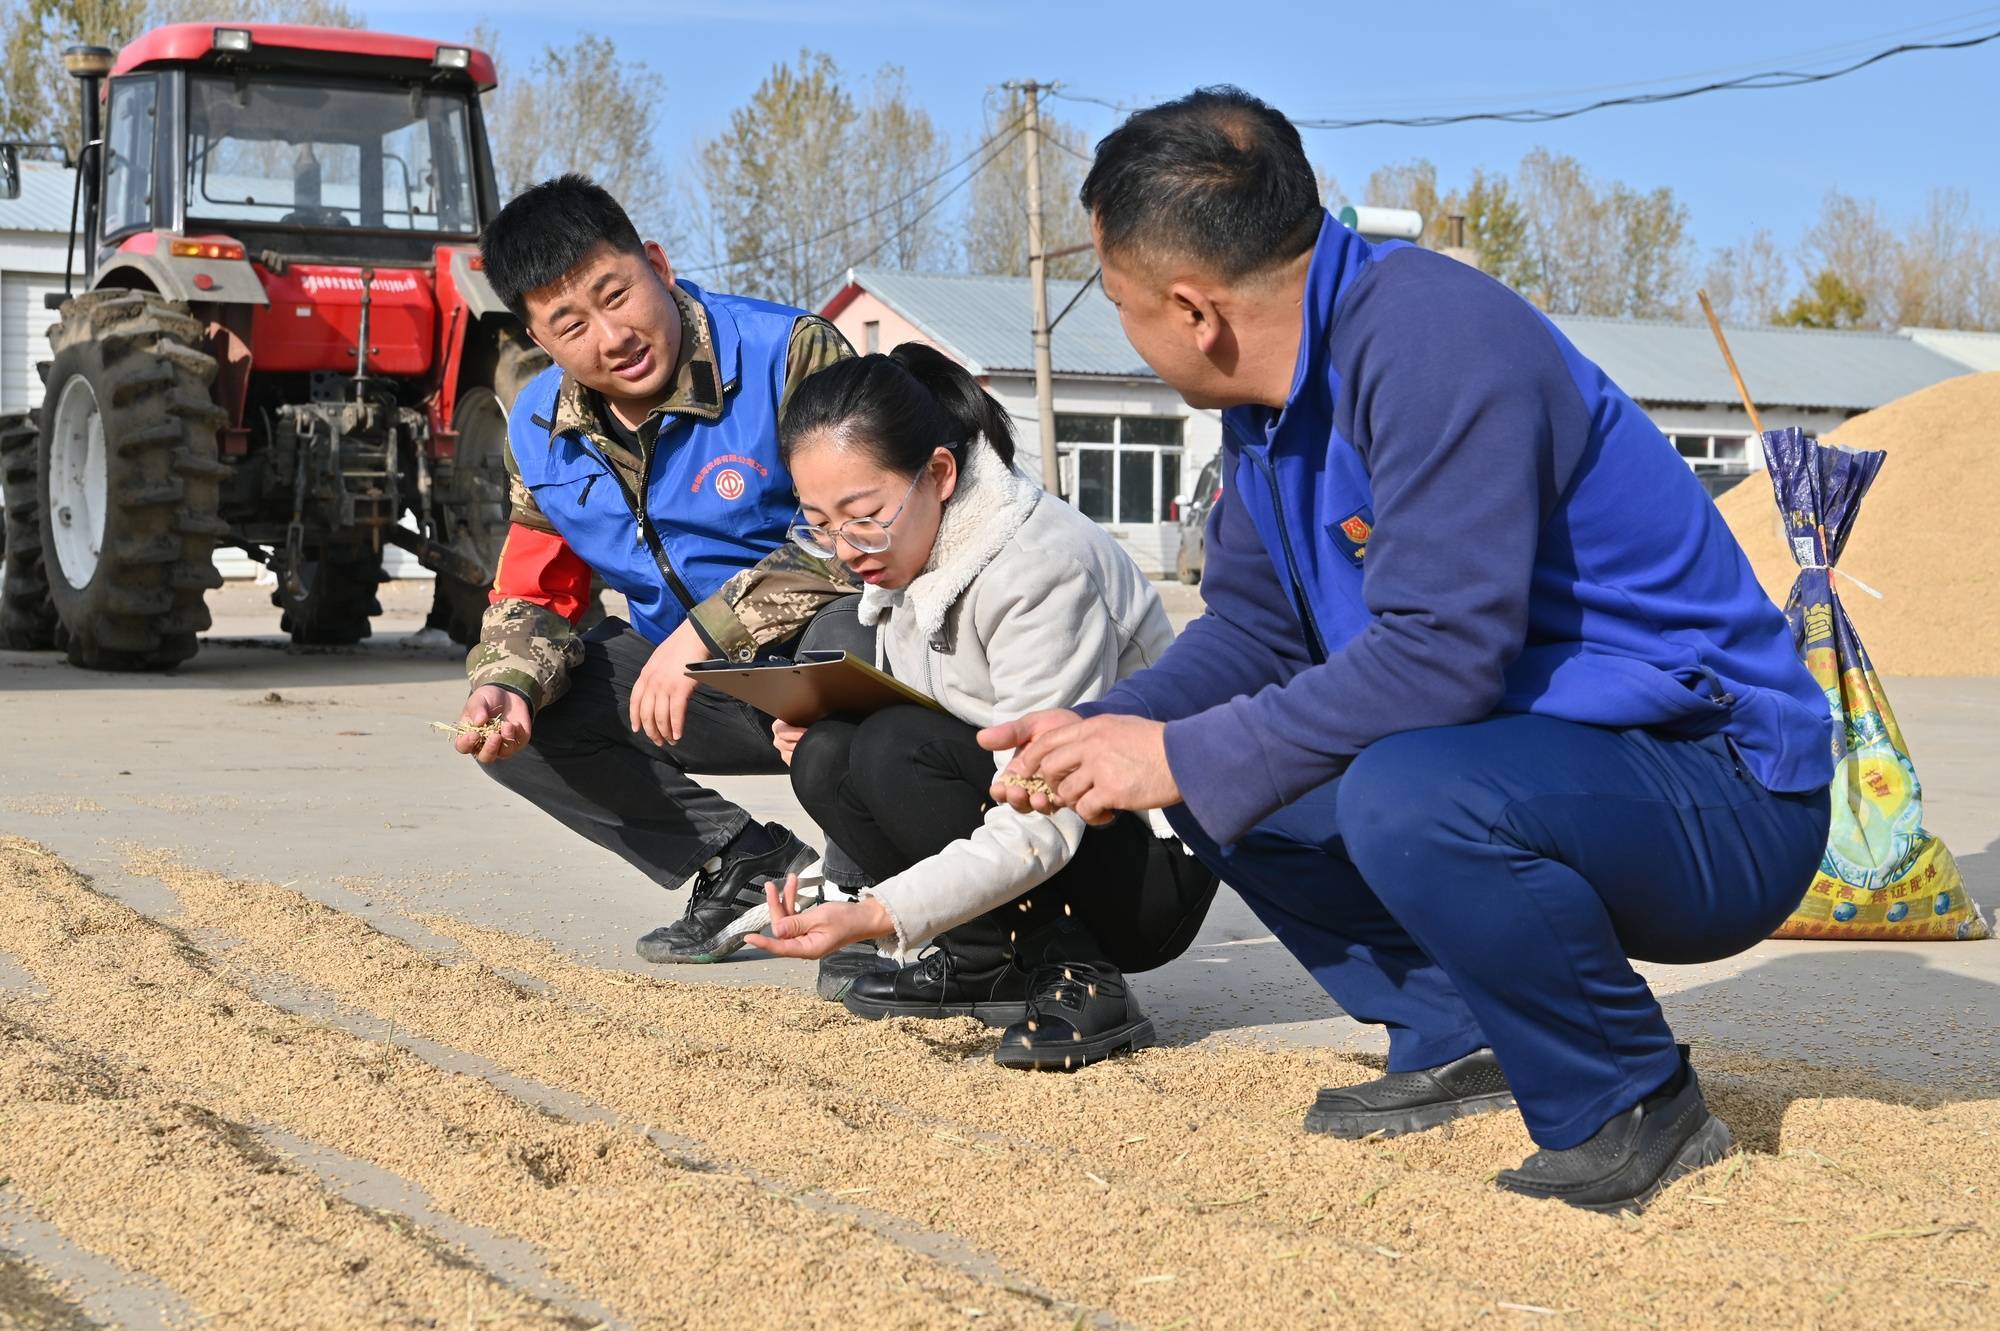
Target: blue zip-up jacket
x,y
716,499
1456,514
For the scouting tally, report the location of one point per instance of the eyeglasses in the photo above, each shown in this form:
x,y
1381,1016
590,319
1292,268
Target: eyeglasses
x,y
868,536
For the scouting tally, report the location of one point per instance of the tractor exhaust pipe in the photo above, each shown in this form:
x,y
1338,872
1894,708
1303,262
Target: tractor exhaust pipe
x,y
87,65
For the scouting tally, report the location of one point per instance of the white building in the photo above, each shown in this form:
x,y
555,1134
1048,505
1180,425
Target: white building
x,y
1129,445
34,237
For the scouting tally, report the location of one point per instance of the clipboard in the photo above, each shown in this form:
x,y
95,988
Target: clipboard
x,y
814,686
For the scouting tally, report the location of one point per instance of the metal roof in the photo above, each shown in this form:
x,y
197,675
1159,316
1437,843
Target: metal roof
x,y
1977,351
985,322
1783,367
180,43
46,190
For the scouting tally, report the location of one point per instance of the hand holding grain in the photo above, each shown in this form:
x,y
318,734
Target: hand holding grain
x,y
494,726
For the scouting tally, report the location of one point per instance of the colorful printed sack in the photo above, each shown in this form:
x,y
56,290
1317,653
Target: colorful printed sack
x,y
1884,876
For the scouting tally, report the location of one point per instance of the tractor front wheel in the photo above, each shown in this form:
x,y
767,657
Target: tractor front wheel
x,y
127,482
474,489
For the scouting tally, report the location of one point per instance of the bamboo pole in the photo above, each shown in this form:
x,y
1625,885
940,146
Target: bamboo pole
x,y
1715,326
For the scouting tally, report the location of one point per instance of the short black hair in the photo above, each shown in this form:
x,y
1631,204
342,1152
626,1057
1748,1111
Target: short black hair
x,y
546,230
1216,176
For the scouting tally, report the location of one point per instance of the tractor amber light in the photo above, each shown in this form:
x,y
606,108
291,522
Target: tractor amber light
x,y
205,249
232,39
453,57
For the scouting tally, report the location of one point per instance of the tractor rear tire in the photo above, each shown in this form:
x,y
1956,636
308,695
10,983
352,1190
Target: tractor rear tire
x,y
473,486
27,620
128,481
340,599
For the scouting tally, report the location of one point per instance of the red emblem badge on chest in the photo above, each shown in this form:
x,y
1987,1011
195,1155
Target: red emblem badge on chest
x,y
729,484
1356,529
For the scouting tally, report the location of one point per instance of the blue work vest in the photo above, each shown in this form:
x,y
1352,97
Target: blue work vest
x,y
1644,611
715,500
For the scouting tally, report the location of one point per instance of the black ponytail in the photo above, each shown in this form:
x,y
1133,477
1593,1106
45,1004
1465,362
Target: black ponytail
x,y
901,408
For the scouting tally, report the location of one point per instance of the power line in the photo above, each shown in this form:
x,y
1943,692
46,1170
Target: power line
x,y
852,222
928,209
1747,83
1770,79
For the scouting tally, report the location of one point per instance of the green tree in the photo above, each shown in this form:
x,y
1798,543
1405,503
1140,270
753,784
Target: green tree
x,y
777,183
1495,227
996,219
1828,303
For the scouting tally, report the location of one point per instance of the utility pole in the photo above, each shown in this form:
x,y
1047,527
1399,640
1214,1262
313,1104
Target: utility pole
x,y
1038,281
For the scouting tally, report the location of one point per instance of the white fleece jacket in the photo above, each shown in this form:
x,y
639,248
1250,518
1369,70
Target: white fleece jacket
x,y
1024,605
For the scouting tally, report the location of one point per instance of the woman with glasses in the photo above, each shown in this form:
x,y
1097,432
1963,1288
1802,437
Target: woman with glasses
x,y
996,600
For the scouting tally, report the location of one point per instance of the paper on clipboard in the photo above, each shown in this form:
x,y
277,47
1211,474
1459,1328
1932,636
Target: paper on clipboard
x,y
814,686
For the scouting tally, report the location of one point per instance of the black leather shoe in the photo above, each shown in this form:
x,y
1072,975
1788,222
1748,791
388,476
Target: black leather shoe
x,y
936,986
1412,1101
1079,1012
1666,1135
727,905
838,970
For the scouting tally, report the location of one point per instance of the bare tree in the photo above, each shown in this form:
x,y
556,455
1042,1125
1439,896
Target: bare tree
x,y
1852,242
896,147
1749,282
996,220
583,106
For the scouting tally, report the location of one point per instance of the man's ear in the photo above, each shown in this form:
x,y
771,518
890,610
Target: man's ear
x,y
657,260
1195,315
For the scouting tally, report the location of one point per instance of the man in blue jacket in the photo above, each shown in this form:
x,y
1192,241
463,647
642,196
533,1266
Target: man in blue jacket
x,y
647,456
1486,701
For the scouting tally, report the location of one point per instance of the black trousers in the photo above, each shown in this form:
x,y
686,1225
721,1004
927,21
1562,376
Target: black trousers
x,y
896,787
588,769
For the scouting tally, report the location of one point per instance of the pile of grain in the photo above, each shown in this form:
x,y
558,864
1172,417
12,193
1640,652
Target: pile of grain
x,y
1928,537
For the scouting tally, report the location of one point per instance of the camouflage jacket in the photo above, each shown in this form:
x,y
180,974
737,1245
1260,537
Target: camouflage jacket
x,y
531,649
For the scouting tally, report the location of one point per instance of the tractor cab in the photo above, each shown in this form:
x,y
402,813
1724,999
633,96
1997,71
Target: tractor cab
x,y
281,341
300,142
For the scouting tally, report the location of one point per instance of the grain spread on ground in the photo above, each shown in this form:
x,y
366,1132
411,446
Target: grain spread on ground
x,y
1928,537
701,1155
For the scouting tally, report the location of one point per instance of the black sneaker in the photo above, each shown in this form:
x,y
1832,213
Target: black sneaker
x,y
1079,1012
936,986
840,969
1666,1135
727,904
1412,1101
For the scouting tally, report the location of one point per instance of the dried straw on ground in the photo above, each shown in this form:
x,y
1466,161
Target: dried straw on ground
x,y
822,1170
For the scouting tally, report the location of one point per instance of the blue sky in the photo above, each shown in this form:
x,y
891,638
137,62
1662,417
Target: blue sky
x,y
1738,160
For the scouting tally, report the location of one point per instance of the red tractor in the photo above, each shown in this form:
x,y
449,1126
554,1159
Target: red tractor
x,y
283,343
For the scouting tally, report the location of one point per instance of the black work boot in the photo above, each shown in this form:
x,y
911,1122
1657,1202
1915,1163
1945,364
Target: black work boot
x,y
727,903
1623,1167
941,985
1404,1102
1079,1012
838,970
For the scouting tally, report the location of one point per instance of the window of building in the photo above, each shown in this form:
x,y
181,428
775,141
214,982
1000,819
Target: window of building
x,y
1121,469
871,337
1728,451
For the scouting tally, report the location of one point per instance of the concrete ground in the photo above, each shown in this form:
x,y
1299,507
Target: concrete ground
x,y
319,768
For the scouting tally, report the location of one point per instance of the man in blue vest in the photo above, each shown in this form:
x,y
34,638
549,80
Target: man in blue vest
x,y
647,454
1486,701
